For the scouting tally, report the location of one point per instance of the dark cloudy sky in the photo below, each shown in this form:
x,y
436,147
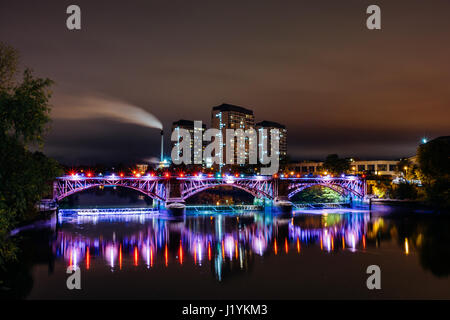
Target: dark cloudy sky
x,y
311,65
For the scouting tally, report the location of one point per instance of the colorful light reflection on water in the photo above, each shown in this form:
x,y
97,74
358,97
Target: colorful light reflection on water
x,y
310,255
152,241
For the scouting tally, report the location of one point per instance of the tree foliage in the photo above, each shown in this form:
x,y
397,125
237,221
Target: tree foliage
x,y
24,117
434,158
434,165
8,66
318,194
408,169
335,165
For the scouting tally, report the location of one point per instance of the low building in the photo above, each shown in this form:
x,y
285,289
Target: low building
x,y
307,167
377,167
142,167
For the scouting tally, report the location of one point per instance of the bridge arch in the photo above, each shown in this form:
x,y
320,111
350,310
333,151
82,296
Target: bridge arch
x,y
65,188
342,190
75,191
197,189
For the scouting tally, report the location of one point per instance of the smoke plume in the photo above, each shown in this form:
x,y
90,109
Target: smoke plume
x,y
88,107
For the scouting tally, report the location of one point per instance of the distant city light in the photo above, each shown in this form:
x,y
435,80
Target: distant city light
x,y
424,140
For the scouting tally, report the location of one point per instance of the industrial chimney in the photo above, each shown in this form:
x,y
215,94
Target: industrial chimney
x,y
162,146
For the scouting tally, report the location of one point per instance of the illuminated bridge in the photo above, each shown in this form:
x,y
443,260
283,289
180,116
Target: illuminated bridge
x,y
167,190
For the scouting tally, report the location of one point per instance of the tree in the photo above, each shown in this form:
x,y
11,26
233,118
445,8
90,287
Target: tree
x,y
434,158
24,117
318,194
434,166
408,169
382,189
404,191
335,165
8,66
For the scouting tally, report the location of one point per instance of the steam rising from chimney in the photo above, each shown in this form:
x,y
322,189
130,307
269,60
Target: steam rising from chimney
x,y
88,107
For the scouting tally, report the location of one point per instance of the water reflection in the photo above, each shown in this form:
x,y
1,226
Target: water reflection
x,y
226,247
222,242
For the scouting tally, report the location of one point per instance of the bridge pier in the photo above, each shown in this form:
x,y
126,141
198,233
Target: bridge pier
x,y
281,203
175,204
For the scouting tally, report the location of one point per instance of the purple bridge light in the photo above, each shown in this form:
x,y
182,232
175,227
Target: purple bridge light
x,y
178,189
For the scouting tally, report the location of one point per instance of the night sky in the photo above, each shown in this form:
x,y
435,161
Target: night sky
x,y
311,65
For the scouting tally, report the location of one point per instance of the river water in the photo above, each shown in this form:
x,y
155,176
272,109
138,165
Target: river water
x,y
315,254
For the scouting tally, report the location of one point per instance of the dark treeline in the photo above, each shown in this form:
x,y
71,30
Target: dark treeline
x,y
25,174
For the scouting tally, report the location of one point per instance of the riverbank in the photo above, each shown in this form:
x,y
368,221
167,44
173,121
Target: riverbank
x,y
43,219
407,205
